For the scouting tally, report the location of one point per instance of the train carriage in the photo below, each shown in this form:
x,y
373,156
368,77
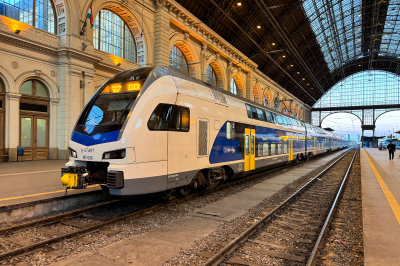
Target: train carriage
x,y
156,129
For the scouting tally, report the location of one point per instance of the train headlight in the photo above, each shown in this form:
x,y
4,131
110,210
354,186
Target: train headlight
x,y
72,153
117,154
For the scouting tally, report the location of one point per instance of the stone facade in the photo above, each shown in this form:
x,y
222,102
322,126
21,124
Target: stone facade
x,y
72,69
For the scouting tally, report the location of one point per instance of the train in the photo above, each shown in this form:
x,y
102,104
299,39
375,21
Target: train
x,y
156,129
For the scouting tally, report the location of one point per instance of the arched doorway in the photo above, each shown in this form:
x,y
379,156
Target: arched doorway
x,y
34,120
2,114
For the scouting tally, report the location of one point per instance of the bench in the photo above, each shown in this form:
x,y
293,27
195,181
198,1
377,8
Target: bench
x,y
4,156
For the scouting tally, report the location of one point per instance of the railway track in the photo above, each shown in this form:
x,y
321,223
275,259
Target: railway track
x,y
292,231
80,222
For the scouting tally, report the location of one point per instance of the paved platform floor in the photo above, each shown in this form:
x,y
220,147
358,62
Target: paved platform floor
x,y
27,181
380,181
158,246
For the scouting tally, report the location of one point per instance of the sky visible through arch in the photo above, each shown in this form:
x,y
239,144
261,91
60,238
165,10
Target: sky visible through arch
x,y
373,87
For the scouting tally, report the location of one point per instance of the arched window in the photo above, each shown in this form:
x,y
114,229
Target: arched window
x,y
267,99
177,60
233,86
256,95
112,35
37,13
211,76
276,104
34,88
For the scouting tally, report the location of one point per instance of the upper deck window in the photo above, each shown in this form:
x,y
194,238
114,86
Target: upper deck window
x,y
211,76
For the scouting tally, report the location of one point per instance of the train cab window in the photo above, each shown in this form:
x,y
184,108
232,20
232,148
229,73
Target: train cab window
x,y
268,117
265,150
169,117
230,130
279,148
273,148
260,114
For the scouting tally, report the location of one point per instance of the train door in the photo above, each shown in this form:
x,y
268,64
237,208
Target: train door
x,y
290,148
315,145
249,149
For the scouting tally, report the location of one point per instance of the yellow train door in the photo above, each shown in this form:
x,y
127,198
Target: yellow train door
x,y
253,152
290,148
315,145
249,149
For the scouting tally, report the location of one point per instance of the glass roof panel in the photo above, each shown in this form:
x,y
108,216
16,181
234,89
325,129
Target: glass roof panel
x,y
337,26
372,87
391,32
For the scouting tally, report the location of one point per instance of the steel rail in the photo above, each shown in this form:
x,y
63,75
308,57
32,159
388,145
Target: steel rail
x,y
220,256
136,214
55,218
312,258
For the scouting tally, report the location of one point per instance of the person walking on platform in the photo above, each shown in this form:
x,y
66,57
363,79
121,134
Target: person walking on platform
x,y
391,148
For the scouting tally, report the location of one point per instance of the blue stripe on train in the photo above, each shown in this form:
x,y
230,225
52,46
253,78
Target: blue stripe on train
x,y
95,139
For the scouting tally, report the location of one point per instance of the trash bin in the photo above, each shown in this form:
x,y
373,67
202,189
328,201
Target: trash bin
x,y
20,151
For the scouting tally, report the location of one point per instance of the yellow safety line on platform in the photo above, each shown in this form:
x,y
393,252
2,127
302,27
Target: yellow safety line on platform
x,y
40,194
389,196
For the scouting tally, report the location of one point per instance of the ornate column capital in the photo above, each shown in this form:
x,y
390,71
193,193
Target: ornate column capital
x,y
13,96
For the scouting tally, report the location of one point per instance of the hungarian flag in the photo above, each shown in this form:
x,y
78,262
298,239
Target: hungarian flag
x,y
90,16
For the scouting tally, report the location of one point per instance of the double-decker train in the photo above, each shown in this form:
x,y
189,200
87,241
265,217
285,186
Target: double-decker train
x,y
157,130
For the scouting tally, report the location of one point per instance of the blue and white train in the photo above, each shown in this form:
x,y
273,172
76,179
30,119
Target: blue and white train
x,y
155,129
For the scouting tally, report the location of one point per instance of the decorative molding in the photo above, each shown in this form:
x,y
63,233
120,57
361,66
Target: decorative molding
x,y
53,73
13,96
38,72
14,65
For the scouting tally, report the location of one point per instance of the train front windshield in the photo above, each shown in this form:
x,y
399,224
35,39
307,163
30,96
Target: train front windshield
x,y
109,109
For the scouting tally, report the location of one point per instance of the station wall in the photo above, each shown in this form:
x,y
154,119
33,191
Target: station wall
x,y
71,64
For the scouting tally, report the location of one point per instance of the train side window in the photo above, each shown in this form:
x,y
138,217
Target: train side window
x,y
260,114
273,148
252,145
279,119
265,149
285,148
249,113
247,145
279,148
230,130
169,117
260,150
269,117
254,112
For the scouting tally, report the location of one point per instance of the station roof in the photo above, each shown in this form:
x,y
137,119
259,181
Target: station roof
x,y
307,46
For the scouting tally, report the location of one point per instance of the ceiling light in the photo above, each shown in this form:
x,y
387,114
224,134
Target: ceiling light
x,y
298,73
283,56
387,35
390,24
308,84
291,65
359,15
259,27
304,79
273,43
359,65
359,28
312,88
239,4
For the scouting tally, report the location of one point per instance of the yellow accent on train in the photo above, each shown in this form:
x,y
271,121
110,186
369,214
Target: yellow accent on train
x,y
69,180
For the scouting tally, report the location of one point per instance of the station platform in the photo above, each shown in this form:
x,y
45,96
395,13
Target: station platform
x,y
30,181
380,181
